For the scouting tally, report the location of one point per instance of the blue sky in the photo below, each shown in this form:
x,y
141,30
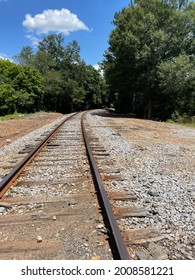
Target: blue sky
x,y
24,22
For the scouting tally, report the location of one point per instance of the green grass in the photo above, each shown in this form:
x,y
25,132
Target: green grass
x,y
13,116
191,124
188,124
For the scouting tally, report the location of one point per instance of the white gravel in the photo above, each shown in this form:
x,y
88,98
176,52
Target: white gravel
x,y
9,153
162,175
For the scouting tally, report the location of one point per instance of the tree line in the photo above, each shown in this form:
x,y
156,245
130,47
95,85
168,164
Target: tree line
x,y
149,65
55,78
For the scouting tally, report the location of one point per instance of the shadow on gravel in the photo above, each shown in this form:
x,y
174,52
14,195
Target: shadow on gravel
x,y
108,113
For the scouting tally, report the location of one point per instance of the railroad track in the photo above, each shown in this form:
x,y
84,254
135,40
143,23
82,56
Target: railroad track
x,y
54,211
141,242
52,208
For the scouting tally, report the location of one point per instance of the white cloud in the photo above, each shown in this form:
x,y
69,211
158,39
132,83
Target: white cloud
x,y
4,56
62,21
35,41
97,67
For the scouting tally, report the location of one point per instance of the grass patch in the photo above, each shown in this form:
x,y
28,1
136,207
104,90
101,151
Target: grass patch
x,y
13,116
191,124
182,122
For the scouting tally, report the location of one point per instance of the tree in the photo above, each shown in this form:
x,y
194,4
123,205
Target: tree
x,y
28,85
53,88
7,99
26,56
72,53
21,88
177,4
146,34
52,45
95,88
177,83
60,66
8,71
67,83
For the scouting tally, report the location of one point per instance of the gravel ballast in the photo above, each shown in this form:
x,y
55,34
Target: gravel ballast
x,y
157,161
10,154
161,173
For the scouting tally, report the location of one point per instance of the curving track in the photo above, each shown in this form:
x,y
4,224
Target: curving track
x,y
63,204
52,208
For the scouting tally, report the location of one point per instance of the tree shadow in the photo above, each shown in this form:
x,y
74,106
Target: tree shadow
x,y
110,113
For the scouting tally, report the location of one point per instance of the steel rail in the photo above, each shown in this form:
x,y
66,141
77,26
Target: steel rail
x,y
120,251
8,180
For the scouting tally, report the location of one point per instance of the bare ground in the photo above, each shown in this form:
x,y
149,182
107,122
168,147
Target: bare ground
x,y
13,129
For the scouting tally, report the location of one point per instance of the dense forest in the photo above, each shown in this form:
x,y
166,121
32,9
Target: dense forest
x,y
150,63
54,78
148,68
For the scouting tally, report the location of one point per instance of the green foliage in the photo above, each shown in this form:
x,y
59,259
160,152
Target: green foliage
x,y
148,41
95,89
52,47
26,56
63,72
67,83
54,78
52,89
177,83
7,99
21,88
